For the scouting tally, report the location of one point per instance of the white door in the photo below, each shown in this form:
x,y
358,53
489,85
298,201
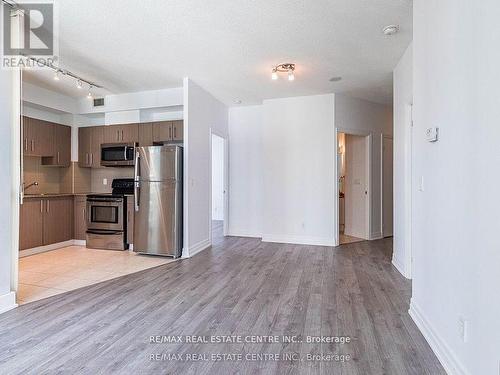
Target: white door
x,y
356,186
218,177
387,186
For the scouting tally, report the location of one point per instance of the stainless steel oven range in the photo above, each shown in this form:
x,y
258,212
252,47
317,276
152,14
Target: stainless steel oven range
x,y
106,217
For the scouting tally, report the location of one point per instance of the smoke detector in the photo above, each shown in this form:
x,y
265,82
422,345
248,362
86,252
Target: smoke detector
x,y
390,30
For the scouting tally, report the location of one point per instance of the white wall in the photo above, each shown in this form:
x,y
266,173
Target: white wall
x,y
359,115
202,113
136,100
456,220
246,170
298,169
47,98
403,97
282,158
8,194
217,177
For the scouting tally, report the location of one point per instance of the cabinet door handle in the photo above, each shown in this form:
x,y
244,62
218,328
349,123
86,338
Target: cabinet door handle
x,y
84,214
92,159
41,206
175,132
122,135
48,206
117,135
169,133
25,144
57,157
32,145
86,159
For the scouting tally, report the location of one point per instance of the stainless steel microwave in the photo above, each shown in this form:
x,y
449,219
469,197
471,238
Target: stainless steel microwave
x,y
117,154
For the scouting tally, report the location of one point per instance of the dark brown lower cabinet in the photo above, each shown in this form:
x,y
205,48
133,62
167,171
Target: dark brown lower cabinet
x,y
58,220
80,217
31,224
45,221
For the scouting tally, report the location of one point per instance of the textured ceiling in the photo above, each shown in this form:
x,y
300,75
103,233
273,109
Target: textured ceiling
x,y
229,47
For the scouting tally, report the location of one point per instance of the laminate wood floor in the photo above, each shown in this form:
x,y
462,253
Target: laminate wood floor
x,y
240,287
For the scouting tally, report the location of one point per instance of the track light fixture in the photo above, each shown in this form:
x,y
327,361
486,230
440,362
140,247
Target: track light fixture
x,y
58,72
283,68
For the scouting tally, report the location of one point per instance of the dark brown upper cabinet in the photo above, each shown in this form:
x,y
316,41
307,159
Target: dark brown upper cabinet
x,y
146,134
177,130
38,137
89,146
165,131
128,133
61,150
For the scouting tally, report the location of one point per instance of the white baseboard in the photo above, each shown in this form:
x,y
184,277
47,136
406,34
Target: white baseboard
x,y
43,249
196,248
400,267
298,240
79,242
445,355
376,236
238,233
7,302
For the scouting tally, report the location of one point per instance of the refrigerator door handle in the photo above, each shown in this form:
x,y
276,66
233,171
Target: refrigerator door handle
x,y
136,181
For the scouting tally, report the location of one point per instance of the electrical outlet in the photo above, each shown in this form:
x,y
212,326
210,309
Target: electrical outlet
x,y
463,328
104,181
431,134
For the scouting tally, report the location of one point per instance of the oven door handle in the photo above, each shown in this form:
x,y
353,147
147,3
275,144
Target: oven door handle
x,y
104,232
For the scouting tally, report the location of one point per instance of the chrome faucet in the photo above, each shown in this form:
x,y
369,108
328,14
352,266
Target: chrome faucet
x,y
30,185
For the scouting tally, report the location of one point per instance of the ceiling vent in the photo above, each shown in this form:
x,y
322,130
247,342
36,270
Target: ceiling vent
x,y
99,102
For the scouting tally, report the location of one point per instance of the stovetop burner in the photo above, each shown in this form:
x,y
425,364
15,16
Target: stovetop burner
x,y
123,186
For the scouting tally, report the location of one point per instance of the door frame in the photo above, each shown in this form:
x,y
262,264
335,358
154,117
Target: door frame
x,y
369,145
226,183
382,137
408,178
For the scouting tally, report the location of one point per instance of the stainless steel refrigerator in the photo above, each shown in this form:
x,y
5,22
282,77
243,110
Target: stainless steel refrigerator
x,y
158,200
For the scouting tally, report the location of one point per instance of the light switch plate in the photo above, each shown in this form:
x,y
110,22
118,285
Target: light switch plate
x,y
104,181
431,134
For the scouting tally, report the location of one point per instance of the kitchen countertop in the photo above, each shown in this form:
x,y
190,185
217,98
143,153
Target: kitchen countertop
x,y
54,195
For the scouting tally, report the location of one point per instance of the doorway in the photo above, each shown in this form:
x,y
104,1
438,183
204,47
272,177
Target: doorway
x,y
353,163
387,186
218,191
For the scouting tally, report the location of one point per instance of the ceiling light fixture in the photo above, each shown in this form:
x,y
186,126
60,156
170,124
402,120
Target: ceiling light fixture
x,y
58,72
89,95
284,68
390,30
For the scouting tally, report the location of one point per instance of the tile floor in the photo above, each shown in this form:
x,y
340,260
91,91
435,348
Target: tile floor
x,y
58,271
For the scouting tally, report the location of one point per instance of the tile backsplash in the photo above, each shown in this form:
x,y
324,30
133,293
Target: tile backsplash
x,y
73,179
109,173
48,178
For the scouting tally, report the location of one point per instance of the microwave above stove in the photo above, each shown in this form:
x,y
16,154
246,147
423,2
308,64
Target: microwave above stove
x,y
117,154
